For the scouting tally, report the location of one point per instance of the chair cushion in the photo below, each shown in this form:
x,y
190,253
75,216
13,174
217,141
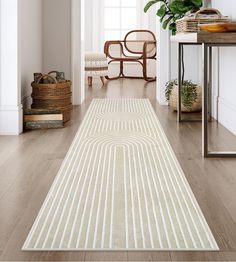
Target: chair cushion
x,y
96,64
92,56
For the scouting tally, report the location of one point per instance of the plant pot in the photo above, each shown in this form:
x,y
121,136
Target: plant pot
x,y
196,106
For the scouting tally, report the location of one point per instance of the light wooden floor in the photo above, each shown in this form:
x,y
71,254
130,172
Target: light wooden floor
x,y
29,163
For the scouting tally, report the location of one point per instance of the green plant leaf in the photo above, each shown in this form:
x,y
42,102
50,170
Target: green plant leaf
x,y
169,88
172,26
162,18
188,92
180,7
173,32
151,3
176,17
162,11
166,22
197,3
171,11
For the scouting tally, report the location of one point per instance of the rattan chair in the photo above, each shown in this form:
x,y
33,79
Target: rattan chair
x,y
138,46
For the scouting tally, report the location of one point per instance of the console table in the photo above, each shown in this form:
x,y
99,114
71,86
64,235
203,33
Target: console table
x,y
207,41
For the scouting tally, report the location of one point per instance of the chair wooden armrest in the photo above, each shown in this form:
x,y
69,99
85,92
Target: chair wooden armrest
x,y
109,44
151,53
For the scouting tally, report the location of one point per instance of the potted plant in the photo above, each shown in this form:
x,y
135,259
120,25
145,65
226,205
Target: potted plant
x,y
170,11
191,96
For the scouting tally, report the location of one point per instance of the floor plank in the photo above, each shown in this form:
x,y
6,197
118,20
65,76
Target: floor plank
x,y
106,256
203,256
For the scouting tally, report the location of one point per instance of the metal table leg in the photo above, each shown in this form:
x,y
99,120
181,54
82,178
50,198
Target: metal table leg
x,y
205,101
180,50
207,96
180,82
210,84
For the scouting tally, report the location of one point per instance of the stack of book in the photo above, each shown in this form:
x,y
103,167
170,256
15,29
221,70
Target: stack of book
x,y
42,119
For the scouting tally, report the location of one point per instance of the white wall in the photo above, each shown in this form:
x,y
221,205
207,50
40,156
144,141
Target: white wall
x,y
192,62
31,45
63,21
57,36
163,62
225,78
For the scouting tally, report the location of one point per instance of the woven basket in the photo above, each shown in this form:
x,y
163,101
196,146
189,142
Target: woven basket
x,y
52,101
196,106
204,16
53,96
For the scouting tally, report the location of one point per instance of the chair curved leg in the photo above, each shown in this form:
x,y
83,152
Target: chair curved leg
x,y
90,81
121,74
102,79
145,77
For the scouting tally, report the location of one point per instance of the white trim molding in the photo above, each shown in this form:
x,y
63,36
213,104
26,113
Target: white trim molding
x,y
224,109
227,111
77,53
10,102
163,62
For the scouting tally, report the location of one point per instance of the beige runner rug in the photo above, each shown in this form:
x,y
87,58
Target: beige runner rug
x,y
120,187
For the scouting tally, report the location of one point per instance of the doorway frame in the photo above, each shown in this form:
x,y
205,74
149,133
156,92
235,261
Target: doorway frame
x,y
11,111
77,55
77,51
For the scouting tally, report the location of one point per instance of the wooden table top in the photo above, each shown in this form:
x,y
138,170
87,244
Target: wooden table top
x,y
205,37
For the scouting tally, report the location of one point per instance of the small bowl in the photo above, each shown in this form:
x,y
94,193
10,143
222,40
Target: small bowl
x,y
219,27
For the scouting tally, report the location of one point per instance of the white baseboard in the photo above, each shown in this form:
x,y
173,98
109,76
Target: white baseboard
x,y
227,112
228,104
215,101
11,120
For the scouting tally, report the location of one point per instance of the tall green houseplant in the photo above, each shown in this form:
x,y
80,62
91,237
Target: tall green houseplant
x,y
170,11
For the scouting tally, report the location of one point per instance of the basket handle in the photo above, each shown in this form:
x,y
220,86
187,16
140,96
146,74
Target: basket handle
x,y
53,72
203,10
49,76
